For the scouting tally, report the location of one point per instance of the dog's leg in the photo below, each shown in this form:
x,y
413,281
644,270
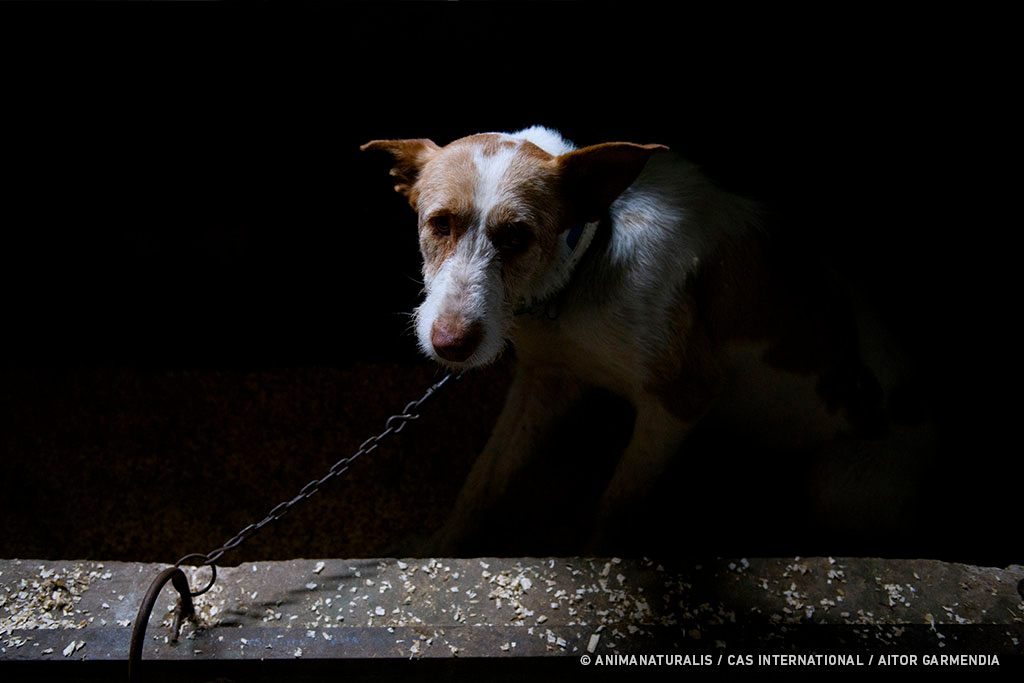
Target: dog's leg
x,y
535,403
657,437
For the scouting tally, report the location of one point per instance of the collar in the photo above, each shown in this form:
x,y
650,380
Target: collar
x,y
572,247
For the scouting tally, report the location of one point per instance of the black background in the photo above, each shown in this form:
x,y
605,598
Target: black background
x,y
183,187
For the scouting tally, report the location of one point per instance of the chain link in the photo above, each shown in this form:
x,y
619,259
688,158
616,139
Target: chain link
x,y
394,425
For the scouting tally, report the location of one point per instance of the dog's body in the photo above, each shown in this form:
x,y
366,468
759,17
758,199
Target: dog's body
x,y
620,266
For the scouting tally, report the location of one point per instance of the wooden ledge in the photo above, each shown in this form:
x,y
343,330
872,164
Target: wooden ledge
x,y
491,611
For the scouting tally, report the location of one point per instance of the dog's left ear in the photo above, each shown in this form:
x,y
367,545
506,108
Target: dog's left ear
x,y
410,156
593,177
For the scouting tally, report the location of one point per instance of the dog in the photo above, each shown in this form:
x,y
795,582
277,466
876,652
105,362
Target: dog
x,y
620,268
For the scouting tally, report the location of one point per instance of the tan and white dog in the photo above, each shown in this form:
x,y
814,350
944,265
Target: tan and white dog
x,y
621,266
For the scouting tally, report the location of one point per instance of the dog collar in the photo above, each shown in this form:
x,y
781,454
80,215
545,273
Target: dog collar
x,y
571,250
573,238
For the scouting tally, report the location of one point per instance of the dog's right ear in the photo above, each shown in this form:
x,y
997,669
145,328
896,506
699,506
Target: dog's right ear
x,y
410,156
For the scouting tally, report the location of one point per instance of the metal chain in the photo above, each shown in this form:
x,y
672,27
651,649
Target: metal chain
x,y
307,491
394,425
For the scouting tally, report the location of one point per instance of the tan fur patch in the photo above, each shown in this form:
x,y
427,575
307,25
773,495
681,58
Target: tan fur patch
x,y
687,377
751,291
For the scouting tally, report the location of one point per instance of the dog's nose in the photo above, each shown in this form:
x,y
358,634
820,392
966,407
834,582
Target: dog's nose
x,y
454,339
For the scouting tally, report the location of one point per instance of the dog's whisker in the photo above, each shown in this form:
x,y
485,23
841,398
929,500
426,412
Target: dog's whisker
x,y
417,280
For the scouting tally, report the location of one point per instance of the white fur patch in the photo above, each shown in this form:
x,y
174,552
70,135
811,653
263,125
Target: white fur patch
x,y
467,287
491,187
548,140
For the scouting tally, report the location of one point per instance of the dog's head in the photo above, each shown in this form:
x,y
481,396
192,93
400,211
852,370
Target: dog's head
x,y
494,213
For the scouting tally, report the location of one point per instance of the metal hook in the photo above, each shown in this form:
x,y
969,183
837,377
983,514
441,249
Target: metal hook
x,y
185,610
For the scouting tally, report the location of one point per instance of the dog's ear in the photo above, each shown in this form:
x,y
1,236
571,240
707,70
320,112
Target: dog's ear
x,y
410,156
593,177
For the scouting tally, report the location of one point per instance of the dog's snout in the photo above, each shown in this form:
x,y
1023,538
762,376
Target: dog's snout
x,y
454,339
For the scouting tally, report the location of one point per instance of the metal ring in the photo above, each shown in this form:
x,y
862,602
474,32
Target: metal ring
x,y
213,572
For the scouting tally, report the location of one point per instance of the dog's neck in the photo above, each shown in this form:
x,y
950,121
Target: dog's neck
x,y
572,246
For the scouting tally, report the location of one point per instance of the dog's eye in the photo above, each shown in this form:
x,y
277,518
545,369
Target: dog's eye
x,y
513,237
441,225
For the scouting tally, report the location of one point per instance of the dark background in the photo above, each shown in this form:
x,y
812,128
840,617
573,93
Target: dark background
x,y
205,284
